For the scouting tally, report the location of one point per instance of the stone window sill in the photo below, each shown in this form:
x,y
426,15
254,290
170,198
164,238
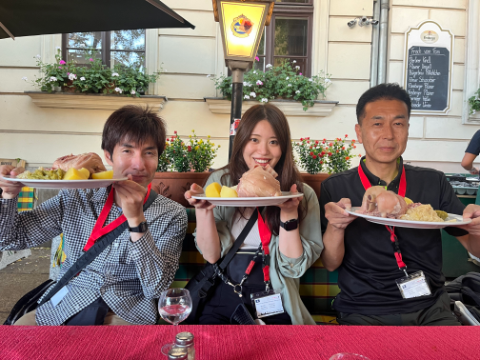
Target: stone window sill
x,y
288,107
61,100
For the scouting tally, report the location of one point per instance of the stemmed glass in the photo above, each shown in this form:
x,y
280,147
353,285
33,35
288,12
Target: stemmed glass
x,y
174,306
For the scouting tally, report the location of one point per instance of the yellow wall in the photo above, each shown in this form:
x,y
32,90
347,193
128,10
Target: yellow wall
x,y
41,135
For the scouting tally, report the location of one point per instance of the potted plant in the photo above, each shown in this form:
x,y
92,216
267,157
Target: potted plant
x,y
474,103
94,78
183,163
279,83
320,159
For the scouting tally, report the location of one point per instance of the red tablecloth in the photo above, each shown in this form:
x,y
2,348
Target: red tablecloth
x,y
241,342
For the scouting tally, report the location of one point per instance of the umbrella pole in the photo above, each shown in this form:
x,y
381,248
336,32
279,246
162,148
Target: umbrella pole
x,y
7,31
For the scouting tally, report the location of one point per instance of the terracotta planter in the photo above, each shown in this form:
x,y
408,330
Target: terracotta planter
x,y
67,87
315,181
174,184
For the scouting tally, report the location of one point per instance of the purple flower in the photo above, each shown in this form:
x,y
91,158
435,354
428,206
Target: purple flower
x,y
257,58
90,59
300,74
59,67
62,62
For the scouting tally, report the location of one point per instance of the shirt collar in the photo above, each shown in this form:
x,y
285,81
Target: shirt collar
x,y
101,194
375,180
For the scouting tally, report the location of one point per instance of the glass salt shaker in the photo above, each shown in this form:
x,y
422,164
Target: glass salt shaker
x,y
178,353
185,340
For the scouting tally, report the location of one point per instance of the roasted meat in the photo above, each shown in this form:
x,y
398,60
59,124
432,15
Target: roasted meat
x,y
90,161
379,202
258,183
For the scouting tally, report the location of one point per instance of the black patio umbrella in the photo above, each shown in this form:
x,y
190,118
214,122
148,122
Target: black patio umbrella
x,y
38,17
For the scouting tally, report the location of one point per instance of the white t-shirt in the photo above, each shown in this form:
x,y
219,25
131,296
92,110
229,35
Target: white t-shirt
x,y
252,241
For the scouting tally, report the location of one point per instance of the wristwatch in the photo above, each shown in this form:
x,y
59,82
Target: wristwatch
x,y
141,228
289,224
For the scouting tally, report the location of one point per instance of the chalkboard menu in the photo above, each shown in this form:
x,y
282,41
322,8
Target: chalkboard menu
x,y
427,80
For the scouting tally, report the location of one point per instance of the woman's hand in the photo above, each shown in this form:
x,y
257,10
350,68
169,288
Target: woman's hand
x,y
290,207
196,190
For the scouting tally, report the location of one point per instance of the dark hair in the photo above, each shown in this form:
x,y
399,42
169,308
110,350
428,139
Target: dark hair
x,y
287,171
133,123
383,91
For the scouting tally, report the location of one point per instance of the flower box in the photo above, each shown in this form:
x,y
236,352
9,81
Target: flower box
x,y
63,100
288,107
174,184
314,180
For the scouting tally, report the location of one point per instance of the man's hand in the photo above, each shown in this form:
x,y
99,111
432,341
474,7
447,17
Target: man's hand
x,y
336,214
130,198
196,190
10,189
472,212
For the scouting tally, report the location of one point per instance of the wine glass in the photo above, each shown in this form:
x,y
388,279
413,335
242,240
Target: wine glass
x,y
174,306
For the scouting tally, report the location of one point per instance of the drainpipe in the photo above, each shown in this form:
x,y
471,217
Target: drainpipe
x,y
383,42
375,34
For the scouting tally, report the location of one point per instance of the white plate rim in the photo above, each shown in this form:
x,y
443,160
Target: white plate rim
x,y
246,199
409,222
90,181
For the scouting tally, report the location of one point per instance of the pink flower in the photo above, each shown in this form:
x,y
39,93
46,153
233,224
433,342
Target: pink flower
x,y
59,67
68,73
62,62
90,59
300,74
257,58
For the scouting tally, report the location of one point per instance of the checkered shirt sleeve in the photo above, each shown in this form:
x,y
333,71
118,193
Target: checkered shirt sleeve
x,y
128,276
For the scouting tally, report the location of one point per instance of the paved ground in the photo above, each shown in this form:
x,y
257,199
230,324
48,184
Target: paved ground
x,y
22,276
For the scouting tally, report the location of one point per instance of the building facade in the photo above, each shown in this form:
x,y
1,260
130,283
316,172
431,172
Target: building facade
x,y
324,43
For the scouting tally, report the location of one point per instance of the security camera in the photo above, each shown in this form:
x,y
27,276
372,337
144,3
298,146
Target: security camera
x,y
374,22
352,23
363,21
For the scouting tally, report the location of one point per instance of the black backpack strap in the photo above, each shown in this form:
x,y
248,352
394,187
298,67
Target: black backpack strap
x,y
100,245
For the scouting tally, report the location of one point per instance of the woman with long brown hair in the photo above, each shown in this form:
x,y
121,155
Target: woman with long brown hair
x,y
262,139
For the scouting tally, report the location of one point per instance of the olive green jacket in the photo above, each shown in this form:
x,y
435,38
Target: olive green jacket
x,y
284,271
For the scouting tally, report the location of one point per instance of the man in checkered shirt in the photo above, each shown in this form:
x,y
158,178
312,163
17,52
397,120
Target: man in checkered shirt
x,y
129,275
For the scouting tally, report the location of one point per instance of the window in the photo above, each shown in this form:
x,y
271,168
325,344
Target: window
x,y
289,35
125,47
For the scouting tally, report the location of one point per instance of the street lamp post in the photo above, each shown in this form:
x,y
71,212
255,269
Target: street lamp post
x,y
241,24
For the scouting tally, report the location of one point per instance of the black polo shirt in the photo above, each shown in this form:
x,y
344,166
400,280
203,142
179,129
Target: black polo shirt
x,y
474,145
367,274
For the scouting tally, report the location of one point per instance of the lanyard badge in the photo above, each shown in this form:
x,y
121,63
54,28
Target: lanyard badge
x,y
412,285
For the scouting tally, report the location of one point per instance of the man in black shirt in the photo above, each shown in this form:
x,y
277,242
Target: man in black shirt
x,y
362,251
471,153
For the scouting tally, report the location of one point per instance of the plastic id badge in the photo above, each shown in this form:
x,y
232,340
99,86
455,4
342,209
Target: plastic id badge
x,y
267,303
413,285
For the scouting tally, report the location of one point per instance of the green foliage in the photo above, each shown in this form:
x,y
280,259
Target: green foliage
x,y
278,82
311,154
474,103
197,155
93,78
316,155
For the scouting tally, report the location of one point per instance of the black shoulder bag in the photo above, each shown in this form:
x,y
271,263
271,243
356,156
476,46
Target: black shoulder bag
x,y
200,285
29,301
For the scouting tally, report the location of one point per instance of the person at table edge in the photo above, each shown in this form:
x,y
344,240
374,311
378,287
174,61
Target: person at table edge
x,y
472,151
127,277
362,251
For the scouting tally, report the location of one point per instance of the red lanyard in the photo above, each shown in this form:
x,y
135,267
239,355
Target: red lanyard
x,y
402,189
98,230
265,237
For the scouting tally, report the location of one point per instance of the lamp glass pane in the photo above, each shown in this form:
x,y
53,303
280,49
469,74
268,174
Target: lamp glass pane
x,y
241,27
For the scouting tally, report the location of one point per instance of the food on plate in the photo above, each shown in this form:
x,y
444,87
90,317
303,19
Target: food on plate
x,y
382,203
379,202
421,213
42,174
90,161
213,190
103,175
74,174
258,183
228,192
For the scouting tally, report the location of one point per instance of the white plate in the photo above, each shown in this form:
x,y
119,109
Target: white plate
x,y
249,201
409,223
64,184
473,179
